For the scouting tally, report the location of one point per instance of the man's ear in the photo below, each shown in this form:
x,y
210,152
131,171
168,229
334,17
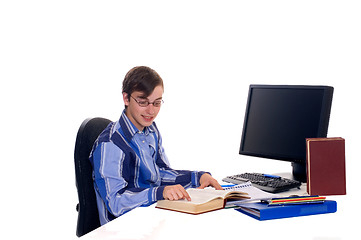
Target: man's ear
x,y
125,99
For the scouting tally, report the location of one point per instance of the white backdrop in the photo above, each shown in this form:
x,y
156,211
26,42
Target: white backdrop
x,y
64,61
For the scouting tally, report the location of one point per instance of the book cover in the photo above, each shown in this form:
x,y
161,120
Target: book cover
x,y
326,173
262,211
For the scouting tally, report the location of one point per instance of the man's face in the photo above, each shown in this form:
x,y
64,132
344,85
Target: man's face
x,y
142,116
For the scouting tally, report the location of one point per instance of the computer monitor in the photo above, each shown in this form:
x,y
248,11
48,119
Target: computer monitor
x,y
279,118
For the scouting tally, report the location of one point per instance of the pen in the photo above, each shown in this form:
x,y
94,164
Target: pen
x,y
271,176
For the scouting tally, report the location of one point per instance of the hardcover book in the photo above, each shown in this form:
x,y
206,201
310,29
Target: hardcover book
x,y
326,173
202,200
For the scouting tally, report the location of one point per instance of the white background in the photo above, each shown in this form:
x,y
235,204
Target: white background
x,y
64,61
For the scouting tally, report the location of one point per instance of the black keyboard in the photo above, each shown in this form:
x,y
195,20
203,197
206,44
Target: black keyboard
x,y
265,182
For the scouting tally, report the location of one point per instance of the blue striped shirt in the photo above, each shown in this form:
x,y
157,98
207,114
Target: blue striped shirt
x,y
130,169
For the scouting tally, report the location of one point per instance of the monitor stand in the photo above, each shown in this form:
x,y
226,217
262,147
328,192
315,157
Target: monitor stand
x,y
299,171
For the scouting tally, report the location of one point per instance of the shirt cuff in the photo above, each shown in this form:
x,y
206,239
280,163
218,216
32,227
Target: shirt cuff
x,y
196,177
157,193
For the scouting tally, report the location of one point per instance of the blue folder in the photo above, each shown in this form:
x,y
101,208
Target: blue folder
x,y
261,211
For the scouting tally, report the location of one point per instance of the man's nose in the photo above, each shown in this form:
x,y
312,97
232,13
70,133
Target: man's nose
x,y
150,108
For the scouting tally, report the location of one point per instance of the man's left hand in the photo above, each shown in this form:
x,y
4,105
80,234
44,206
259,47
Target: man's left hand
x,y
207,180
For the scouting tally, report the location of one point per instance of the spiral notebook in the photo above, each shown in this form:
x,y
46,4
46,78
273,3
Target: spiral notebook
x,y
253,193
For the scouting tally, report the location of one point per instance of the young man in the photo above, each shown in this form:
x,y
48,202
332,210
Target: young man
x,y
128,159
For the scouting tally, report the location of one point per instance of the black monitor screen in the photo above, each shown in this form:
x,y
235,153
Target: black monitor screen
x,y
279,118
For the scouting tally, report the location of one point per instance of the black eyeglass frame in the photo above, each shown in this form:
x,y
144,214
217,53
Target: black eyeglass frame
x,y
145,103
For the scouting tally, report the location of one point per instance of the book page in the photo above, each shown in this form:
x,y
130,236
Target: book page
x,y
199,196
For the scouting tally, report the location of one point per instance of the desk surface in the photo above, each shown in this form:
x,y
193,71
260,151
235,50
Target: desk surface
x,y
153,223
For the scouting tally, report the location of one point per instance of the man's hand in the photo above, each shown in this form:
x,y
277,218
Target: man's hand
x,y
207,180
175,192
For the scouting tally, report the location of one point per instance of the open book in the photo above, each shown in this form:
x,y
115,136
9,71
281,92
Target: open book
x,y
209,199
202,200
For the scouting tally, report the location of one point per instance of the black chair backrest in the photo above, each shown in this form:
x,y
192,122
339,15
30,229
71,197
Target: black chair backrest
x,y
88,217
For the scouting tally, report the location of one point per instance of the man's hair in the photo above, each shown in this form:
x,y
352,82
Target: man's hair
x,y
142,79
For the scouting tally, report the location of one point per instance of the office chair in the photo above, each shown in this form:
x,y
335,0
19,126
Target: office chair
x,y
88,217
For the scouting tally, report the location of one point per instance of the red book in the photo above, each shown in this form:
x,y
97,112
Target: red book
x,y
326,173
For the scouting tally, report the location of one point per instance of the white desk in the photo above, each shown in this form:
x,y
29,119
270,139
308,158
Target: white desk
x,y
153,223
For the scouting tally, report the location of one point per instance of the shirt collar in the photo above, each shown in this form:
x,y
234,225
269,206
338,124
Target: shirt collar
x,y
129,129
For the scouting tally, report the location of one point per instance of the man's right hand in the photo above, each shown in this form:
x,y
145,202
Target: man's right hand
x,y
175,192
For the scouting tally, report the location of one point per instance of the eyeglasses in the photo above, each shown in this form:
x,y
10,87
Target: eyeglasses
x,y
156,103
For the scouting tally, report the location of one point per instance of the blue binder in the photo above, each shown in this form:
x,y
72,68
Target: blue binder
x,y
261,211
